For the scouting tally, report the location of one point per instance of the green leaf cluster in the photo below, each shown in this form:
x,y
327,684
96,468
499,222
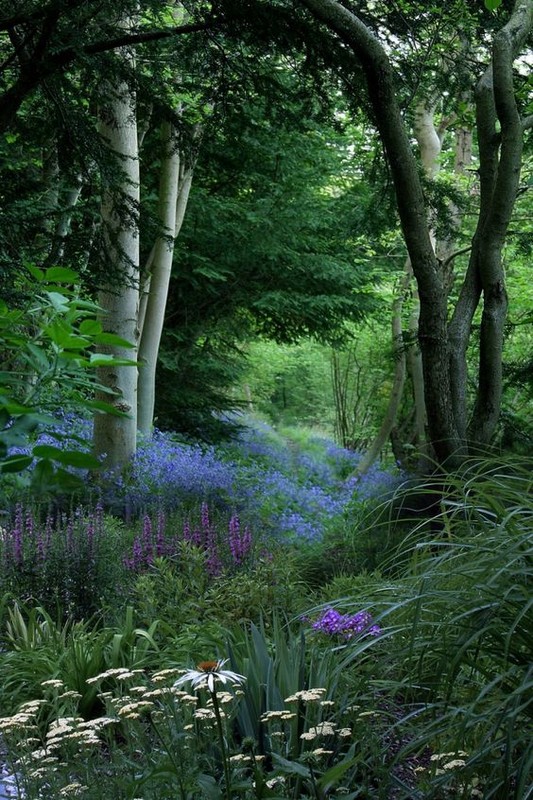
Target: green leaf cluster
x,y
50,345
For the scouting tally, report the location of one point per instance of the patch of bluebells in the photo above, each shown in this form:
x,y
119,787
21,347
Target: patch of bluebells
x,y
346,626
283,489
375,483
285,506
258,444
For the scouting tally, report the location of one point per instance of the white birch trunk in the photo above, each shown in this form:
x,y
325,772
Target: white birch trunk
x,y
116,436
159,278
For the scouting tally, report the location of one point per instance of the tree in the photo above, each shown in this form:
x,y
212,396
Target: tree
x,y
116,436
41,41
443,344
274,245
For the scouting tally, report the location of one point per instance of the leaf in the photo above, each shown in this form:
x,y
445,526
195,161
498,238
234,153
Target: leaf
x,y
43,475
35,272
112,338
209,787
492,5
291,766
333,775
16,463
61,275
58,301
106,360
39,356
61,334
90,327
72,458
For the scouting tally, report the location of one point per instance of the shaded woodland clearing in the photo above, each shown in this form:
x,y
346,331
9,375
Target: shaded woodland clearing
x,y
321,214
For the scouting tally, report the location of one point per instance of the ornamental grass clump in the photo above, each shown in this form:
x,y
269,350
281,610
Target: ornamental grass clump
x,y
459,625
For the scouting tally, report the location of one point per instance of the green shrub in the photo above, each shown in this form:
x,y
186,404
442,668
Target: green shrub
x,y
181,592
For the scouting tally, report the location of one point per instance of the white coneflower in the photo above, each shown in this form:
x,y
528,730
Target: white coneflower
x,y
208,673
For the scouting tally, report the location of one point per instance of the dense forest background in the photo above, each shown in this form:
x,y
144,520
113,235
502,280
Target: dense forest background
x,y
317,214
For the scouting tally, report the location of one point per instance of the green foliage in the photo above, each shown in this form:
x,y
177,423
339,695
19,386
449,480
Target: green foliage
x,y
458,622
180,592
262,252
290,385
38,649
49,345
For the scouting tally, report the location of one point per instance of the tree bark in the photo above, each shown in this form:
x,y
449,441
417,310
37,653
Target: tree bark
x,y
115,436
160,269
432,328
500,156
443,348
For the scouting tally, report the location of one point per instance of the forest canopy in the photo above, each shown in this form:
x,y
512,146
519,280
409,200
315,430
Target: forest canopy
x,y
222,174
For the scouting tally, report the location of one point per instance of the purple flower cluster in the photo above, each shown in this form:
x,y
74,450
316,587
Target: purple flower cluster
x,y
165,473
240,542
222,551
57,557
289,490
347,626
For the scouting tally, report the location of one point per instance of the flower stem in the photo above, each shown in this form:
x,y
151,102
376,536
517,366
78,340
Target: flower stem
x,y
225,762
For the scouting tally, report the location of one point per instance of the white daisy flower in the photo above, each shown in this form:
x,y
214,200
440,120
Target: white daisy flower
x,y
207,673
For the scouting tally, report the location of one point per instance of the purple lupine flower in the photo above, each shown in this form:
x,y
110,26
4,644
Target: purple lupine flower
x,y
213,564
138,560
193,536
99,516
240,543
17,534
48,531
160,545
90,533
30,527
41,547
246,541
206,523
147,543
235,539
70,535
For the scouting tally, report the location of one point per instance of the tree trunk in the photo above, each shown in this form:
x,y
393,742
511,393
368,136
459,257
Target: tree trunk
x,y
500,156
395,398
444,351
174,190
115,436
159,278
432,328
